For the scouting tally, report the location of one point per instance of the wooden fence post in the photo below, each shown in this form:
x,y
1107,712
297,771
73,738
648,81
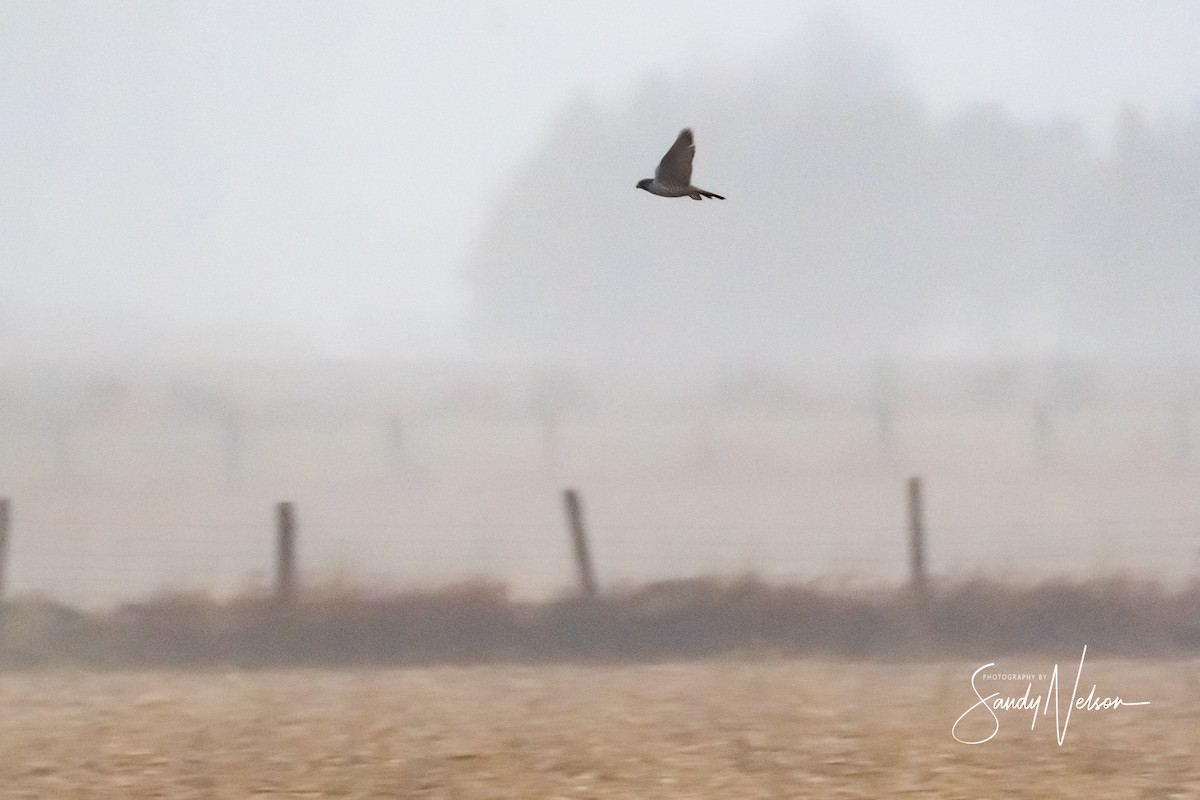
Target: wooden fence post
x,y
579,541
916,537
397,443
1043,430
233,445
884,406
4,521
285,554
551,449
1183,432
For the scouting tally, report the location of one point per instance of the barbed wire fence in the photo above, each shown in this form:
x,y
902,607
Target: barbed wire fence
x,y
539,544
127,487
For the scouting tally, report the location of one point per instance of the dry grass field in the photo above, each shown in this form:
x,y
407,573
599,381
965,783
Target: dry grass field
x,y
715,729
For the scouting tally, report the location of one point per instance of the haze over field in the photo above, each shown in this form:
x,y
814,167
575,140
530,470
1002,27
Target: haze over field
x,y
388,261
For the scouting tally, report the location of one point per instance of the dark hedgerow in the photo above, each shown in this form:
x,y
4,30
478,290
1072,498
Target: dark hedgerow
x,y
479,623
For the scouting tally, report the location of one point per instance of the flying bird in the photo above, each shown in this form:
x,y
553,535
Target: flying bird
x,y
673,178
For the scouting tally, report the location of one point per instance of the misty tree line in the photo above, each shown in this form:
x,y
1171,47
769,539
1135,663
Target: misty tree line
x,y
858,225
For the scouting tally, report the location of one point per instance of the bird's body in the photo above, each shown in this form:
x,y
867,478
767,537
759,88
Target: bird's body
x,y
673,177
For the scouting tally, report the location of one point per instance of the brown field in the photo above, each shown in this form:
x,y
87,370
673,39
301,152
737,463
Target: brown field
x,y
715,729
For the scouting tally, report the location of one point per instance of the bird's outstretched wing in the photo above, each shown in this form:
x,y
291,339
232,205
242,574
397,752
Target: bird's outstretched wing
x,y
675,169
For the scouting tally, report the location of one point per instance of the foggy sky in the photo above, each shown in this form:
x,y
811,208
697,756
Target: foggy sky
x,y
230,180
858,225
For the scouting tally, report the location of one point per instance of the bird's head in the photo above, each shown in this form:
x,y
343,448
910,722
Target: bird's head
x,y
644,183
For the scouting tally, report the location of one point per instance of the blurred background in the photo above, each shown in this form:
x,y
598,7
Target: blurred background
x,y
387,261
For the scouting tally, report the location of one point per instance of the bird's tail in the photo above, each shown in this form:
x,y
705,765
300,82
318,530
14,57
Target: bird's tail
x,y
697,194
